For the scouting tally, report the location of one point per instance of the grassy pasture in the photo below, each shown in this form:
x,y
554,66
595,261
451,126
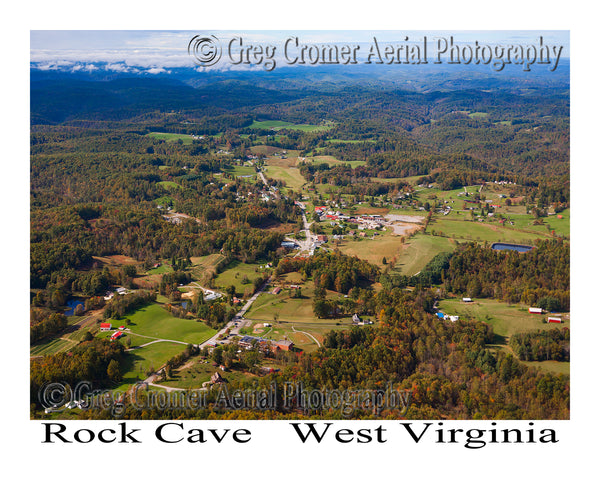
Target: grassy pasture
x,y
152,357
154,321
171,137
373,250
169,185
507,320
480,231
418,252
291,176
234,274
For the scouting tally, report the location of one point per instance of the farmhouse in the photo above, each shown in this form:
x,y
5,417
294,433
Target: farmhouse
x,y
105,327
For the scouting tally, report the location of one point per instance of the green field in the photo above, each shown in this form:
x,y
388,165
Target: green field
x,y
418,252
154,321
169,184
374,250
138,362
171,137
291,176
459,227
240,170
506,320
330,160
235,273
560,225
163,268
292,310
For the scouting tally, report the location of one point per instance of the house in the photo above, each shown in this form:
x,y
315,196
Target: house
x,y
554,320
121,290
535,310
322,238
105,327
453,318
355,318
122,327
467,299
276,290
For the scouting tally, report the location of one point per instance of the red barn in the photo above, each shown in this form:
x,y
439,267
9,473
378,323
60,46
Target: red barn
x,y
116,335
554,320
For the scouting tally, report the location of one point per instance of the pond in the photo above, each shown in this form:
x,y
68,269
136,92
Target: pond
x,y
511,246
72,304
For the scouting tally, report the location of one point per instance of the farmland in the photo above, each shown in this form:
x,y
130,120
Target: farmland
x,y
507,320
172,137
154,322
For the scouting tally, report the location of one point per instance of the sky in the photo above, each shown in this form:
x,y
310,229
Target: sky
x,y
161,50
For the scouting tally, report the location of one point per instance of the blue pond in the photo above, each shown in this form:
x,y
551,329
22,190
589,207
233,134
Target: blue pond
x,y
511,246
72,304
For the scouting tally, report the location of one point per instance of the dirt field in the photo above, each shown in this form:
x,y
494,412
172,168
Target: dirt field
x,y
400,228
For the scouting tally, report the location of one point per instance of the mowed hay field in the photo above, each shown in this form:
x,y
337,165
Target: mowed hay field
x,y
290,175
418,252
154,321
149,358
480,231
385,245
235,273
506,320
286,309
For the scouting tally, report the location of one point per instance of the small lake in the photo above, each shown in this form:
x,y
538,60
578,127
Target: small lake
x,y
72,304
511,246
